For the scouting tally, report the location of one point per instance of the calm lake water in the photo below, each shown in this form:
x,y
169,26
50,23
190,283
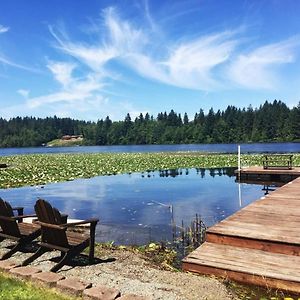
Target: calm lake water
x,y
220,148
138,208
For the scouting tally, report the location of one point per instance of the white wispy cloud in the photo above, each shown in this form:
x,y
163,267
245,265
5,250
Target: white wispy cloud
x,y
62,72
94,56
91,108
8,62
77,96
257,69
23,92
3,29
73,91
123,36
186,64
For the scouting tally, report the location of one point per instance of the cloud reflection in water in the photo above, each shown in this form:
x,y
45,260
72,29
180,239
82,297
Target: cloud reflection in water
x,y
137,207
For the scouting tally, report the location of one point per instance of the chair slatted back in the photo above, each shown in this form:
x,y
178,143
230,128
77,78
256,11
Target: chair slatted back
x,y
48,214
9,226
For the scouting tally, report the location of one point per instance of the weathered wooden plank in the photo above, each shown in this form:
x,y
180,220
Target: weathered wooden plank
x,y
266,218
256,213
272,210
243,277
244,232
254,243
271,227
291,188
285,195
251,268
266,212
249,257
282,205
259,232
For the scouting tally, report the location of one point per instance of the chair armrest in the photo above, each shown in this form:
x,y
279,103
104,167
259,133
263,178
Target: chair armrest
x,y
10,219
53,226
92,221
65,226
23,216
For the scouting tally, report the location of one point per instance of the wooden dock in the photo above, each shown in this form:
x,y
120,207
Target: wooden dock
x,y
261,171
259,244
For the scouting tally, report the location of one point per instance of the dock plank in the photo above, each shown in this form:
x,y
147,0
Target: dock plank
x,y
242,231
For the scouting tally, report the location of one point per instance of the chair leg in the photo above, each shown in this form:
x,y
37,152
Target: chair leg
x,y
37,254
92,242
62,262
68,256
8,254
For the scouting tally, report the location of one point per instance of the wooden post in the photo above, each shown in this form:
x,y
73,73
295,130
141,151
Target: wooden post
x,y
240,195
239,174
92,241
239,158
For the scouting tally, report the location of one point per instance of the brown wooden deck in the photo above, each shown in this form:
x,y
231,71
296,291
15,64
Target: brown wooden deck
x,y
259,245
295,171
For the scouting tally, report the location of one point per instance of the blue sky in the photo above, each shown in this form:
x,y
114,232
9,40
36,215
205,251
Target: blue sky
x,y
89,59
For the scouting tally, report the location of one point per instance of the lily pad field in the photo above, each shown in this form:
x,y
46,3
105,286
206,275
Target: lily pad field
x,y
39,169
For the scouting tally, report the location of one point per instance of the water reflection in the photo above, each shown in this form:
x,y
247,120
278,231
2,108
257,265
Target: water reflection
x,y
141,207
267,186
199,171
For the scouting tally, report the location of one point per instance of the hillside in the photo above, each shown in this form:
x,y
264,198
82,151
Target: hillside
x,y
66,141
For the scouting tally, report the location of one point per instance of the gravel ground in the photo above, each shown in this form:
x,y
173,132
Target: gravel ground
x,y
131,273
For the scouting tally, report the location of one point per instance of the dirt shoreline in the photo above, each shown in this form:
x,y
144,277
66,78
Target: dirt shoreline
x,y
132,273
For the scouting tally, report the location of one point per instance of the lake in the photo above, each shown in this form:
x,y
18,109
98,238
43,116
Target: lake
x,y
218,148
138,208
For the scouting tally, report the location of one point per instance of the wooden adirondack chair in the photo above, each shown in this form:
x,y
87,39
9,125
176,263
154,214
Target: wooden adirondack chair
x,y
13,228
56,237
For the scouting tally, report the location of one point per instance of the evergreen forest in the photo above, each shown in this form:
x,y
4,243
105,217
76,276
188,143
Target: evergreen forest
x,y
271,122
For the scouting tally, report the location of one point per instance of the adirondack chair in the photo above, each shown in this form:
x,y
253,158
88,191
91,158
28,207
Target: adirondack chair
x,y
56,237
14,229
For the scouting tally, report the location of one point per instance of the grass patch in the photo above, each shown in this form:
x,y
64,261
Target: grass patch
x,y
65,143
37,169
14,289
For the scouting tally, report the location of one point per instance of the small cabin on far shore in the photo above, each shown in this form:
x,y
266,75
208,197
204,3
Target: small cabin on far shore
x,y
72,137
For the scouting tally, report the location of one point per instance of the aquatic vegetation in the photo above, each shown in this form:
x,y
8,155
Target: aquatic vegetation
x,y
39,169
157,253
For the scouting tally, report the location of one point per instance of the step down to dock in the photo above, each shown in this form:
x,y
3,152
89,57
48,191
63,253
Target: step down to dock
x,y
251,266
254,243
260,244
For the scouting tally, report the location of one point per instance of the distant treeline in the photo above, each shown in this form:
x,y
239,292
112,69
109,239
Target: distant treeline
x,y
271,122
